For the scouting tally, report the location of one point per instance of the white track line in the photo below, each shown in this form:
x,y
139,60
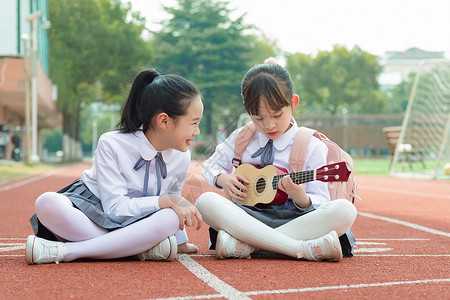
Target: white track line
x,y
407,255
405,192
32,179
365,250
12,248
408,224
210,279
318,289
351,286
375,239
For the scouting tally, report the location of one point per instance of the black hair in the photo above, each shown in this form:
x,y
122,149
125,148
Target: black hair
x,y
151,94
270,82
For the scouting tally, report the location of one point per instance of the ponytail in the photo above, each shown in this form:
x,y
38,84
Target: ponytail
x,y
152,93
129,121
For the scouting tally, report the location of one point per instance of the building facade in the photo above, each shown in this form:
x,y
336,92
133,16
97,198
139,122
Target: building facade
x,y
25,77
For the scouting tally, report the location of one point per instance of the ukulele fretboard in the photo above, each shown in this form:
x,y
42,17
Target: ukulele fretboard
x,y
297,178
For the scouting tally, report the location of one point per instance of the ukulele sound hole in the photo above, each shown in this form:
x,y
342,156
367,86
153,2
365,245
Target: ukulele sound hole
x,y
260,185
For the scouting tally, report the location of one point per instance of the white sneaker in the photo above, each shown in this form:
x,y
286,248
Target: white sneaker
x,y
166,250
41,251
229,246
326,247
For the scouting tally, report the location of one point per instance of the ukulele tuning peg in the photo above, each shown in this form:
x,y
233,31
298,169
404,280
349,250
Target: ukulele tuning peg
x,y
325,177
336,167
326,169
336,177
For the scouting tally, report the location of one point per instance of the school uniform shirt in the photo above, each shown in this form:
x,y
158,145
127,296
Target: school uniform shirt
x,y
221,161
113,179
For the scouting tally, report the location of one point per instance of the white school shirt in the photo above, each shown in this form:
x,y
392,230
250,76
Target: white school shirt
x,y
119,187
221,161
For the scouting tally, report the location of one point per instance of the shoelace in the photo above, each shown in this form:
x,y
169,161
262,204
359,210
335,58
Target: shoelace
x,y
315,247
238,249
48,252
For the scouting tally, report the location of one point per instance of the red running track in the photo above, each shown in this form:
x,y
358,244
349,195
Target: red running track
x,y
402,251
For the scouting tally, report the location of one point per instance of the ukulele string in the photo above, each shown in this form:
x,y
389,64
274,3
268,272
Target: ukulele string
x,y
304,176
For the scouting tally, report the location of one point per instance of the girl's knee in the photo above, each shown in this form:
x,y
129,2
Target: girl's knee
x,y
341,209
170,221
45,201
204,199
345,211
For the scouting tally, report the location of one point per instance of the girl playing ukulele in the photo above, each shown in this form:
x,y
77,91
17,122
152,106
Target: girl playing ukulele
x,y
306,226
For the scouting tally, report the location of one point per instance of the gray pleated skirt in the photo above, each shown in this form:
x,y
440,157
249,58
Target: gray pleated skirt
x,y
83,199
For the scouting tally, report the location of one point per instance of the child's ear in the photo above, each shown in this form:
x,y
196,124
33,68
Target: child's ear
x,y
162,120
295,100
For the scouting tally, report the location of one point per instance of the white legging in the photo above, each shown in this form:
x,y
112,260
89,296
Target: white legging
x,y
220,213
88,240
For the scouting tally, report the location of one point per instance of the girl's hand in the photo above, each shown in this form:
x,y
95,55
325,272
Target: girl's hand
x,y
232,185
296,191
186,211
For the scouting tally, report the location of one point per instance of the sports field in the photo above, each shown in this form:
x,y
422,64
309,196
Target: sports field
x,y
402,252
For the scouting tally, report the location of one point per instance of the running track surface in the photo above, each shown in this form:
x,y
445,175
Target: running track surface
x,y
402,251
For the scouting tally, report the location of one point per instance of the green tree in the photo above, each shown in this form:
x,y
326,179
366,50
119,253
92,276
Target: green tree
x,y
96,48
201,42
336,79
398,95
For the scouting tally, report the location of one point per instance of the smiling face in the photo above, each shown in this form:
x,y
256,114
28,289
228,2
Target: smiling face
x,y
273,123
182,130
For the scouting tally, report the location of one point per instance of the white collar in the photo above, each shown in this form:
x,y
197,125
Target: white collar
x,y
283,141
146,149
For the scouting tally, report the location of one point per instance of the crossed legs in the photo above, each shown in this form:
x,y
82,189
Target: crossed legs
x,y
88,240
220,213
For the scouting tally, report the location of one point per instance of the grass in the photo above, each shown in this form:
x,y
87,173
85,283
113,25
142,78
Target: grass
x,y
9,171
372,166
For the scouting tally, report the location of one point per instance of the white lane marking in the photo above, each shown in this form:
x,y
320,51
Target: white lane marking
x,y
372,249
407,255
32,179
321,288
412,193
407,239
351,286
210,279
4,249
211,296
369,243
408,224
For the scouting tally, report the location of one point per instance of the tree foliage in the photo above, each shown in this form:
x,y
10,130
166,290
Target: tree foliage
x,y
201,42
96,47
338,79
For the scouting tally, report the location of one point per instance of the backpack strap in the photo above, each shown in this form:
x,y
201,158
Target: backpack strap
x,y
241,142
300,147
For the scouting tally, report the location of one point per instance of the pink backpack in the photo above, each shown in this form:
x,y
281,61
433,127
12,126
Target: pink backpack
x,y
338,190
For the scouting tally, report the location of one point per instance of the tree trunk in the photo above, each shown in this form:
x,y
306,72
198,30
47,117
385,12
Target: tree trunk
x,y
71,133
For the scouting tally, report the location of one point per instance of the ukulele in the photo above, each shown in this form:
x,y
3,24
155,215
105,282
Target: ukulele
x,y
263,183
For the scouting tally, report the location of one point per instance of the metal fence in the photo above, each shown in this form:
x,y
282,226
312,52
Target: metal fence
x,y
359,135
